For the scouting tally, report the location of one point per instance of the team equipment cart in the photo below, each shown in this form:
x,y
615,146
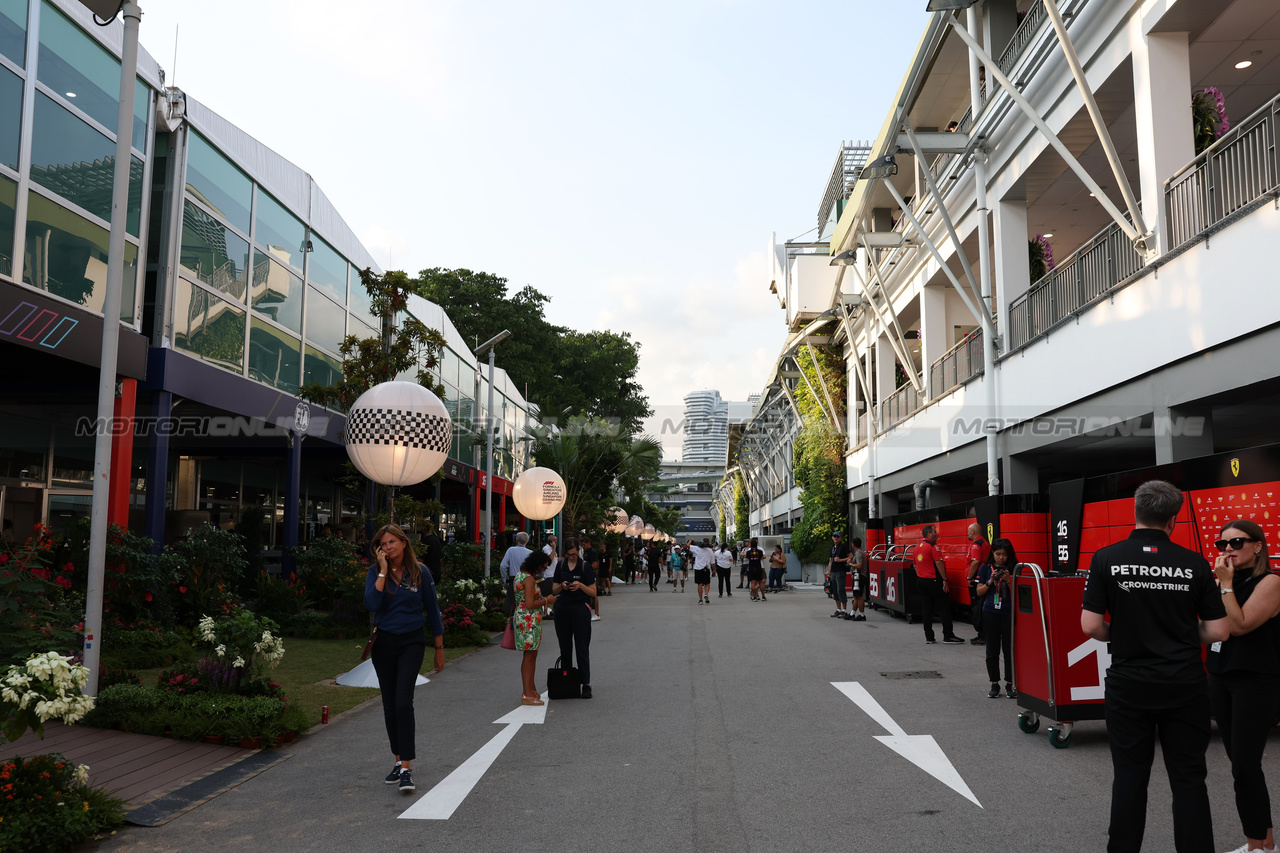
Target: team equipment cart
x,y
1058,670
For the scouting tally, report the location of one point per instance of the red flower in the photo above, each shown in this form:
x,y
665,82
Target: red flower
x,y
146,597
182,589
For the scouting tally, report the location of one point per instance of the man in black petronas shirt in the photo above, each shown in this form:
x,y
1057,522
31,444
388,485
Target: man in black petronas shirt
x,y
1164,605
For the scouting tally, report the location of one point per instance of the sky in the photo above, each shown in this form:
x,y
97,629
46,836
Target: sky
x,y
629,160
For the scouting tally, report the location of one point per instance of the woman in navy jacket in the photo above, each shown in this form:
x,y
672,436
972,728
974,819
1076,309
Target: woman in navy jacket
x,y
402,598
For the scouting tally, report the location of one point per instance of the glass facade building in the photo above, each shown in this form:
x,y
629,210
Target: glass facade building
x,y
241,282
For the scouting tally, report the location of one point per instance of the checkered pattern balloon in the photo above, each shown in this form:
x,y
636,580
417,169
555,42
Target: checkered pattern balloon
x,y
398,433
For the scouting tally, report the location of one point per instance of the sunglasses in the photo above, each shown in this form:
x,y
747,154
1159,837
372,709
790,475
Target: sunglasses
x,y
1235,543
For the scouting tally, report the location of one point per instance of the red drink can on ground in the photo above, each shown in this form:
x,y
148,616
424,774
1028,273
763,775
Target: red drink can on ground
x,y
324,714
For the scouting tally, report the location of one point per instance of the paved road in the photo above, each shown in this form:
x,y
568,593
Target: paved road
x,y
713,728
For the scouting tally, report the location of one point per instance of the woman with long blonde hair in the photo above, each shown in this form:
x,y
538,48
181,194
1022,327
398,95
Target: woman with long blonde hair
x,y
403,600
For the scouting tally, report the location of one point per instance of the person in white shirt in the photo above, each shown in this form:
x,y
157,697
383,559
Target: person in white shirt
x,y
551,550
510,567
703,557
724,569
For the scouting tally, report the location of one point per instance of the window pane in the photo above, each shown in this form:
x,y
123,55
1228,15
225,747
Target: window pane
x,y
326,321
10,116
360,330
360,302
77,67
8,201
214,253
78,163
208,327
214,181
273,356
278,230
67,255
321,368
277,293
327,269
13,30
141,110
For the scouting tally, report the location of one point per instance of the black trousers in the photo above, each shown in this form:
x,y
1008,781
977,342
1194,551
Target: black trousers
x,y
1136,711
1244,704
838,579
655,575
997,630
933,598
573,630
397,658
724,580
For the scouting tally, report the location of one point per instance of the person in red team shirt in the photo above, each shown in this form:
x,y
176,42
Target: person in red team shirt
x,y
979,550
931,580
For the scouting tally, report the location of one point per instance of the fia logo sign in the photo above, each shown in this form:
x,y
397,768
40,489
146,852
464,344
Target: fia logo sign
x,y
1235,467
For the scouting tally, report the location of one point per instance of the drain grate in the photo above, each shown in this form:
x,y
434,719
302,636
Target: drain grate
x,y
913,673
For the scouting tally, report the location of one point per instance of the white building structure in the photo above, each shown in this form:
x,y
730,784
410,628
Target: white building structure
x,y
1150,341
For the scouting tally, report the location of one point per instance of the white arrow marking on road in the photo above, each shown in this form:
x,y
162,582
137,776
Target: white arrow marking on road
x,y
443,800
921,750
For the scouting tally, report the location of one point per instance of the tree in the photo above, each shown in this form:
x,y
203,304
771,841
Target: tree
x,y
592,456
588,373
408,348
818,456
741,512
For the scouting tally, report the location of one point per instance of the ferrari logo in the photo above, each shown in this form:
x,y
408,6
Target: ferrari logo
x,y
1235,467
991,532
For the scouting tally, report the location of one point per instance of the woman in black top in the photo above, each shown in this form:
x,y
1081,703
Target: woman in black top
x,y
1244,671
995,588
574,587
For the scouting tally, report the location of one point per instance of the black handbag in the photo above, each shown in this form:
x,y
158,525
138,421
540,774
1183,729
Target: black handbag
x,y
564,682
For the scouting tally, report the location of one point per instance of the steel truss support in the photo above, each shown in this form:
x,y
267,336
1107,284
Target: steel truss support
x,y
896,338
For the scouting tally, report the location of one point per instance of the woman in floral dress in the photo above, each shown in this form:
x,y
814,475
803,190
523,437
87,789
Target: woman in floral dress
x,y
526,620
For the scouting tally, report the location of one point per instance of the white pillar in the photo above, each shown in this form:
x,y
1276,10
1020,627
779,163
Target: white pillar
x,y
1162,93
885,361
1013,270
934,329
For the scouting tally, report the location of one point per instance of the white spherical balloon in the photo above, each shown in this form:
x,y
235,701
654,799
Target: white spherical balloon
x,y
618,522
398,433
539,493
649,532
635,527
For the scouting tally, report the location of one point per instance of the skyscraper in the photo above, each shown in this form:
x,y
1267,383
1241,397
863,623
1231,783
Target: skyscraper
x,y
706,436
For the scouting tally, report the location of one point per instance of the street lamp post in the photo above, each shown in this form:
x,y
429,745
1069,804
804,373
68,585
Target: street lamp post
x,y
132,15
488,420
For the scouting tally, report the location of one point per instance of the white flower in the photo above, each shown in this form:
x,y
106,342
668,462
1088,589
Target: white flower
x,y
238,662
81,774
220,651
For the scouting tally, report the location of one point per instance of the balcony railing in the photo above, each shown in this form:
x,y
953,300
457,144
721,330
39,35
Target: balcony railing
x,y
1237,170
844,174
1091,272
900,405
958,365
1022,37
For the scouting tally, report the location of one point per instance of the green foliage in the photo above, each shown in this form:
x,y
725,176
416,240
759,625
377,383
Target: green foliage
x,y
331,572
818,458
741,512
135,581
209,566
37,604
408,348
248,642
46,805
190,715
591,455
253,529
142,648
277,598
1208,117
590,373
462,561
315,625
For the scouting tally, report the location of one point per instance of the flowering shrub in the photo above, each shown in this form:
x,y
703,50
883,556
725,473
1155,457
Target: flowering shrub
x,y
208,568
1208,117
46,805
36,600
46,687
331,572
134,579
247,643
470,593
456,618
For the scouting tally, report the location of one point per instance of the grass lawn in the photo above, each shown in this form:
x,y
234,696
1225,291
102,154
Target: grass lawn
x,y
307,662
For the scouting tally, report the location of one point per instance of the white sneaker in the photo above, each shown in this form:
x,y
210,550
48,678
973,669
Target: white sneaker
x,y
595,617
1244,848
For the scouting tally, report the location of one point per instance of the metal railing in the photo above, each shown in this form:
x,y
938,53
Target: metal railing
x,y
1237,170
844,174
900,405
957,365
1022,37
1095,269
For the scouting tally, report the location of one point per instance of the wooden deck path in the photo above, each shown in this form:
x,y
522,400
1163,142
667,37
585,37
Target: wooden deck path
x,y
141,768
